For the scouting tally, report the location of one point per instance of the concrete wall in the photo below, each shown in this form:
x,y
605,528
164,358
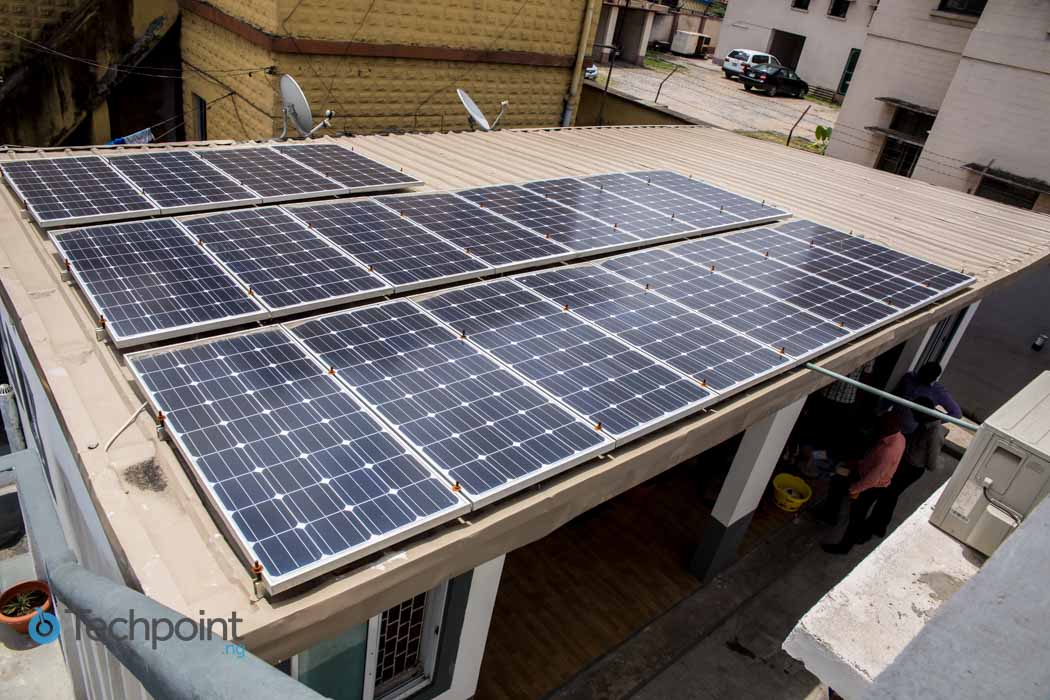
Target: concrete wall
x,y
623,110
749,24
912,52
94,672
999,99
371,94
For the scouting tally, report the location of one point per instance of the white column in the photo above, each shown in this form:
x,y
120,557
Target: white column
x,y
751,470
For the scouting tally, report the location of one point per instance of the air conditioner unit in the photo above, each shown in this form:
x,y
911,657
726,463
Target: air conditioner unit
x,y
1004,474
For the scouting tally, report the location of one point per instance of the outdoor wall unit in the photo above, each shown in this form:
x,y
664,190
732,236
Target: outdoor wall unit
x,y
688,43
1004,474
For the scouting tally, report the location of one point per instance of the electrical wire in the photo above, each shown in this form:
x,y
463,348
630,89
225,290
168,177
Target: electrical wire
x,y
145,72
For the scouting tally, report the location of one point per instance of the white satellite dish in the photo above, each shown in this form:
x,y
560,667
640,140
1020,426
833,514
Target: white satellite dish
x,y
474,114
297,109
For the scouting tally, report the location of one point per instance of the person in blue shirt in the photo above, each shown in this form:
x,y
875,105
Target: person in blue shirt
x,y
923,384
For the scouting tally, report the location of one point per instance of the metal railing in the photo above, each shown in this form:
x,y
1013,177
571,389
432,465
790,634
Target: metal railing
x,y
173,668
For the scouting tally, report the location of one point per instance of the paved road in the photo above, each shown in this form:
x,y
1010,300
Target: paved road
x,y
699,90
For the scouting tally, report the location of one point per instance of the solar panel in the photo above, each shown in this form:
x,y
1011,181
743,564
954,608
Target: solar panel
x,y
645,223
703,217
301,475
858,277
75,190
274,177
498,242
822,298
179,181
715,356
147,281
754,212
405,254
347,167
477,422
283,264
915,269
759,316
612,385
550,219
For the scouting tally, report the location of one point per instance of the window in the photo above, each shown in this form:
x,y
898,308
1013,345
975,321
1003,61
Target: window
x,y
738,55
974,8
1007,193
406,651
839,8
800,4
759,59
849,70
200,117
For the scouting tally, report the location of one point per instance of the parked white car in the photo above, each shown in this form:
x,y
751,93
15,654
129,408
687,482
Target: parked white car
x,y
738,61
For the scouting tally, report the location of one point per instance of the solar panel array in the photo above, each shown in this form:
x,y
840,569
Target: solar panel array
x,y
296,258
322,440
77,190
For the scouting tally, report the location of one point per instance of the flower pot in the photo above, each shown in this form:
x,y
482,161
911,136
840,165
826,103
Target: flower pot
x,y
21,623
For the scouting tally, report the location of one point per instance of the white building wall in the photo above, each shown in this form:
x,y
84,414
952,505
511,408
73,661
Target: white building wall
x,y
749,24
912,52
999,101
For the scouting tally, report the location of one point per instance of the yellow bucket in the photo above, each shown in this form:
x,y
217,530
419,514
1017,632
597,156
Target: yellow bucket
x,y
790,492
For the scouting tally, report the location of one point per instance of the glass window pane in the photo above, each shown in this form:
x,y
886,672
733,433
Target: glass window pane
x,y
336,668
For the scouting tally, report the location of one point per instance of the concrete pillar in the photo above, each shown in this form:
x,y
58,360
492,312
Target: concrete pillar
x,y
100,132
964,323
637,25
605,32
752,467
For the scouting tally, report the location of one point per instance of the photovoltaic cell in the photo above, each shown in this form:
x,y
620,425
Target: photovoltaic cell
x,y
282,262
75,190
820,297
754,212
180,181
304,478
351,169
479,424
858,277
270,174
908,266
497,241
149,281
609,383
405,254
759,316
718,357
704,217
550,219
618,212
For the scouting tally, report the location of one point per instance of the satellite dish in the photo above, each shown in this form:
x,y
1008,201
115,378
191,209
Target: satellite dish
x,y
297,109
475,116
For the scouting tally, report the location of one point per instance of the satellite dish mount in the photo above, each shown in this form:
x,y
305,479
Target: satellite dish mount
x,y
475,117
297,110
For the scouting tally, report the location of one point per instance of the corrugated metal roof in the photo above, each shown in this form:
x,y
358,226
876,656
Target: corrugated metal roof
x,y
168,544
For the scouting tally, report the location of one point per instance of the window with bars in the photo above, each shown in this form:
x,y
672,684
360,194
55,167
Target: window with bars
x,y
399,649
974,8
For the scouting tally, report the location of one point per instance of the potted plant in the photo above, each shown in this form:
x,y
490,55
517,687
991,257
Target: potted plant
x,y
19,604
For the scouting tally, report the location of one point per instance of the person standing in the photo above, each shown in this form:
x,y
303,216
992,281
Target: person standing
x,y
923,384
922,453
870,476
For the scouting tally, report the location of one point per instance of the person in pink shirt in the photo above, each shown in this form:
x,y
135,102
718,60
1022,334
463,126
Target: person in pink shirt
x,y
870,476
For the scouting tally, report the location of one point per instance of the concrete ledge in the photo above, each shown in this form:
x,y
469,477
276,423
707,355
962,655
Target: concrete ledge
x,y
855,631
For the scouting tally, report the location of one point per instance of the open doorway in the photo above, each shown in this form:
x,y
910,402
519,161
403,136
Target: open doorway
x,y
787,47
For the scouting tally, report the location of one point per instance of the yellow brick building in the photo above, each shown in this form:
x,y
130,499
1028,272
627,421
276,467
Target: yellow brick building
x,y
380,66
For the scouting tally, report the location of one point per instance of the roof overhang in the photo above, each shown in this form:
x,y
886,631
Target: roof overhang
x,y
898,135
910,106
167,543
1029,183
